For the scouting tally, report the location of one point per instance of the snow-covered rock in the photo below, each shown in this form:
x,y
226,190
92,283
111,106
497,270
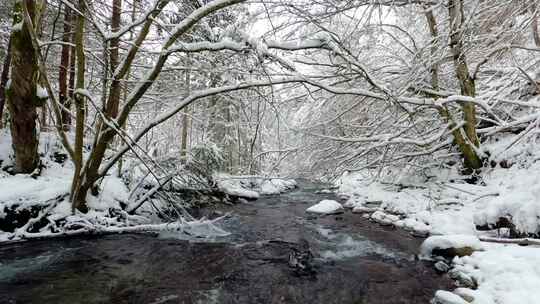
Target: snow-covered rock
x,y
462,279
235,188
326,207
450,246
352,202
268,188
441,266
251,187
363,209
276,186
384,218
446,297
325,191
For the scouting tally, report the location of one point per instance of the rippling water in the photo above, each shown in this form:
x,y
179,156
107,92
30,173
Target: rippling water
x,y
244,261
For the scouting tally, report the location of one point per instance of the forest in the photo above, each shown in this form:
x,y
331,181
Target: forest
x,y
270,151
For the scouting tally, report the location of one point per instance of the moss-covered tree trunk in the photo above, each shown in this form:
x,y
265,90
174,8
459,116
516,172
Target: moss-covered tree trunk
x,y
470,157
470,141
23,95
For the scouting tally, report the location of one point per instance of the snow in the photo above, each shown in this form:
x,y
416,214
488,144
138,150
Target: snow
x,y
41,92
326,207
233,186
445,297
276,186
269,188
50,190
383,218
506,274
449,241
5,149
202,231
114,191
517,188
22,188
516,200
252,186
17,26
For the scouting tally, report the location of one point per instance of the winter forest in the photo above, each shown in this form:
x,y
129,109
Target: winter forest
x,y
270,151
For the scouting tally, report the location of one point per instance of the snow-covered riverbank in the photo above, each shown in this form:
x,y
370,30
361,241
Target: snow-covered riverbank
x,y
440,202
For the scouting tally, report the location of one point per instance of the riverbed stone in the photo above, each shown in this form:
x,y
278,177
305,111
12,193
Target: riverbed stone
x,y
449,246
463,279
384,218
363,209
326,207
446,297
441,266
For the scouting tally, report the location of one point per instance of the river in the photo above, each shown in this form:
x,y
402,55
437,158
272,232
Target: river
x,y
355,261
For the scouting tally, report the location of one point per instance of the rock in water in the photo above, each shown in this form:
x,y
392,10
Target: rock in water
x,y
463,279
449,246
326,207
446,297
441,266
301,258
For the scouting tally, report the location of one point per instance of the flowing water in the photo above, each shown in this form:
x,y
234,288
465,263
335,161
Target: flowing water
x,y
354,262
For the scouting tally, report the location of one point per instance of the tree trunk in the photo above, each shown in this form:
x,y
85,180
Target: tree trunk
x,y
135,4
3,81
185,119
64,70
466,82
116,86
72,61
77,201
22,94
471,160
536,36
534,25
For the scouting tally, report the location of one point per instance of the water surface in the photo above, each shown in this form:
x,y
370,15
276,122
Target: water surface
x,y
355,262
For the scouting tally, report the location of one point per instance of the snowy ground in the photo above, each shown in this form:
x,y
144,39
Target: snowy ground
x,y
47,196
443,204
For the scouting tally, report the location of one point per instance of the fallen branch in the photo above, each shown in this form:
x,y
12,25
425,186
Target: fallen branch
x,y
103,230
148,194
522,242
